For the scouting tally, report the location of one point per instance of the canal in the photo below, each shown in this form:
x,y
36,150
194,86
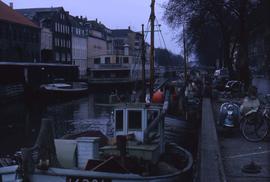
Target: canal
x,y
20,121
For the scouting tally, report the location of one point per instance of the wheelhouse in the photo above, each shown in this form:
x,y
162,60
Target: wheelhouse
x,y
135,119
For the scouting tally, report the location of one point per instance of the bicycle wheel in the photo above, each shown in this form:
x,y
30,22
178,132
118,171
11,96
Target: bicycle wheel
x,y
254,131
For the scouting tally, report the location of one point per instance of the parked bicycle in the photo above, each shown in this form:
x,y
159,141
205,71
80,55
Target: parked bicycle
x,y
256,124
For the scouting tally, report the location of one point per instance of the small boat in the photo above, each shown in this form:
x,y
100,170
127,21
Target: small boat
x,y
64,89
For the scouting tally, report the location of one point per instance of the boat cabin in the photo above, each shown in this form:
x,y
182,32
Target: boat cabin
x,y
135,119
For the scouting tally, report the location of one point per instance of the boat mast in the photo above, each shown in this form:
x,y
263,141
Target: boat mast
x,y
185,54
143,62
152,48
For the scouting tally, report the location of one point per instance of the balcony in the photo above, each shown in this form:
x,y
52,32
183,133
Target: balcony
x,y
110,80
110,67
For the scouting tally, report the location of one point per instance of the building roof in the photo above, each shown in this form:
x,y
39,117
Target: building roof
x,y
121,32
77,21
96,26
31,12
8,14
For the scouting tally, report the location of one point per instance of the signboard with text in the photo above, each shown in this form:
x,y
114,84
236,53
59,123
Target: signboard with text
x,y
86,179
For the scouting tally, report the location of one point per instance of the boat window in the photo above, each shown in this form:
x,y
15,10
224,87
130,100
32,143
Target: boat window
x,y
134,120
151,116
119,120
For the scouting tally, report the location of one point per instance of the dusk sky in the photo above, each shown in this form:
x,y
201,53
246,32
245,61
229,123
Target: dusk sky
x,y
112,13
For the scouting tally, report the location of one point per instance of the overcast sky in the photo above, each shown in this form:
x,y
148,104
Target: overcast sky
x,y
112,13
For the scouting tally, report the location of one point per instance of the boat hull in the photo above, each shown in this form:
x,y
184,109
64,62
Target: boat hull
x,y
69,175
77,90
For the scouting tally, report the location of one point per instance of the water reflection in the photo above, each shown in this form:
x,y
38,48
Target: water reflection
x,y
20,121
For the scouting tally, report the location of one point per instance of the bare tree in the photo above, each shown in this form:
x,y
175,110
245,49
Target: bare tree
x,y
229,17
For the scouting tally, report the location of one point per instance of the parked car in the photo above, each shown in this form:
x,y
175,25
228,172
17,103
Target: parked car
x,y
234,86
221,73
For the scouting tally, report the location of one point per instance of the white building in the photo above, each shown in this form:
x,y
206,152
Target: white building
x,y
79,54
79,44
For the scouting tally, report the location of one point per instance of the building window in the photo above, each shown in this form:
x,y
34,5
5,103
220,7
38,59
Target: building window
x,y
117,60
57,56
125,60
63,57
56,42
97,61
62,16
119,120
107,60
134,120
58,27
55,27
68,57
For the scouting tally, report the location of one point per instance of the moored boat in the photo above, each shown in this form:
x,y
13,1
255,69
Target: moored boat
x,y
64,89
137,152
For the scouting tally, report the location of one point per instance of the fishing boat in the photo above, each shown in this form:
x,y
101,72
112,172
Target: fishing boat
x,y
137,152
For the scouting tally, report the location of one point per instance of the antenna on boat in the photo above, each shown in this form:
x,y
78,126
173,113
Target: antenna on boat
x,y
152,48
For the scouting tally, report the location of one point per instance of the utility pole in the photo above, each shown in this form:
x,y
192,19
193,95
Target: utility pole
x,y
143,62
152,48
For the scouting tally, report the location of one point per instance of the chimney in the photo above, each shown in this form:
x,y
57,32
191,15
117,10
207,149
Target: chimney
x,y
96,20
128,27
81,17
11,5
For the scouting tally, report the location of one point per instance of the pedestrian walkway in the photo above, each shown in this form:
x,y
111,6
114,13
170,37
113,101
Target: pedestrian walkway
x,y
236,152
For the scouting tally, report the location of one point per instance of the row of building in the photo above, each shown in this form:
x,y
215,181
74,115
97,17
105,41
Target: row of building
x,y
52,35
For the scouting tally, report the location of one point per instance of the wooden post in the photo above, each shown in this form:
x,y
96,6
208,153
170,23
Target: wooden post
x,y
45,143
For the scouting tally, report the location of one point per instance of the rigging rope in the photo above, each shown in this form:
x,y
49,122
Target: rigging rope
x,y
161,35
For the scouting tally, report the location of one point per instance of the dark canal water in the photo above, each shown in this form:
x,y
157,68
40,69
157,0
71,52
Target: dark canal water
x,y
20,121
